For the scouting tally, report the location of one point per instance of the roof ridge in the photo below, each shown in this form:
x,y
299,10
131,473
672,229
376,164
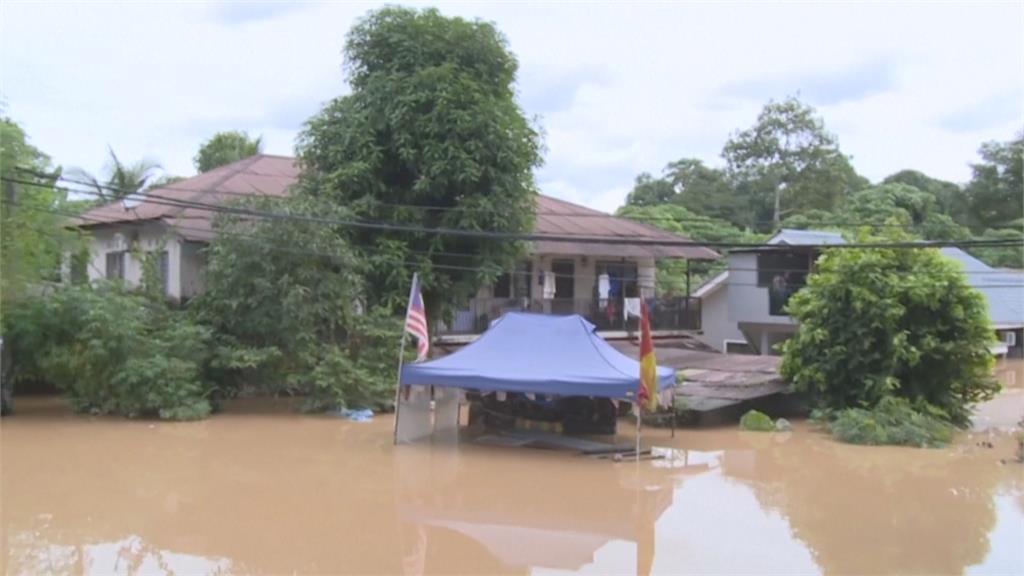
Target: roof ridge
x,y
239,167
574,205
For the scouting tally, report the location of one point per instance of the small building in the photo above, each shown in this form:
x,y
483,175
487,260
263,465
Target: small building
x,y
743,309
177,235
566,275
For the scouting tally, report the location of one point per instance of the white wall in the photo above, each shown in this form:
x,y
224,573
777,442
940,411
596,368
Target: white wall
x,y
715,324
148,237
748,302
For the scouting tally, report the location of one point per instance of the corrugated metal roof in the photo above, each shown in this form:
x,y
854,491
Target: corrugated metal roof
x,y
273,176
806,237
1003,290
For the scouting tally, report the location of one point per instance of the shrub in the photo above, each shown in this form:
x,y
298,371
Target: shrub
x,y
112,351
757,422
292,323
892,421
877,322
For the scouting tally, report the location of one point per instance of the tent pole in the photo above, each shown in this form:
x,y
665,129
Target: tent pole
x,y
398,387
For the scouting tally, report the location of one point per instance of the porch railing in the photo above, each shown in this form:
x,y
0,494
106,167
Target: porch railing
x,y
667,313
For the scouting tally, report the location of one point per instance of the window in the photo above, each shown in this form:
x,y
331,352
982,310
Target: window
x,y
1010,338
565,278
503,286
785,265
115,265
162,276
515,285
80,267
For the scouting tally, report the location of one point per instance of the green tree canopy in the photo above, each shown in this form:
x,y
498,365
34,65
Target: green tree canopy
x,y
226,147
706,191
430,136
284,300
995,190
787,162
883,208
876,323
32,238
671,274
650,191
950,198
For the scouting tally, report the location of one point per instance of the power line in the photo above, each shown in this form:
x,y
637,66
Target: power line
x,y
531,274
697,218
611,240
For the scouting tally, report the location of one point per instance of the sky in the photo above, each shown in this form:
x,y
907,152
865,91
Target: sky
x,y
617,89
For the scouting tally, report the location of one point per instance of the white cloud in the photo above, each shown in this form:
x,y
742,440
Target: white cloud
x,y
620,88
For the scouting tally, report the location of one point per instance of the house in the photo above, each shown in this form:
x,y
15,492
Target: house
x,y
568,274
743,308
177,235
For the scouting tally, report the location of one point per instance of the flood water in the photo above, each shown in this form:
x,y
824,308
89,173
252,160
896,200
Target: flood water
x,y
261,489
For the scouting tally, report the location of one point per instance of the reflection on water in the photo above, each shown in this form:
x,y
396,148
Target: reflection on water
x,y
262,490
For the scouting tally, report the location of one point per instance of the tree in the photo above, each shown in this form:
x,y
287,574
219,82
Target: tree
x,y
995,189
226,147
430,136
120,180
284,301
788,153
671,274
1002,256
650,191
706,191
112,350
877,323
950,198
32,239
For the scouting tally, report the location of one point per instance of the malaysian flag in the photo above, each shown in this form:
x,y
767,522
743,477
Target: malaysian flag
x,y
416,320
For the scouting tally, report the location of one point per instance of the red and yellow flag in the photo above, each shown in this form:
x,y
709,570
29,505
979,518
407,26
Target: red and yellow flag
x,y
648,393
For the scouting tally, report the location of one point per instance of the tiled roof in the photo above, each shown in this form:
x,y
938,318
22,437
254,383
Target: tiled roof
x,y
274,175
262,174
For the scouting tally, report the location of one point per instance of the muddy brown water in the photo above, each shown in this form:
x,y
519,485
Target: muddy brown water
x,y
261,489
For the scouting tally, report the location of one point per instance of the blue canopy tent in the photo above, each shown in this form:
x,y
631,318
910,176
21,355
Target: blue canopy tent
x,y
540,354
529,354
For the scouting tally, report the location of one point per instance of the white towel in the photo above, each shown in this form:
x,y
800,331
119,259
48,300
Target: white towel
x,y
549,285
603,286
630,306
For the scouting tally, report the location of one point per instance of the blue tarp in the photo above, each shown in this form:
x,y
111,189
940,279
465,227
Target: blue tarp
x,y
535,353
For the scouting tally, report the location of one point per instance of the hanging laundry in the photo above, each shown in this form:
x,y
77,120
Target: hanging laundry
x,y
630,307
603,288
549,285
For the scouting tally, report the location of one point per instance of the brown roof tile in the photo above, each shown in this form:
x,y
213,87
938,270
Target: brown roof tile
x,y
273,176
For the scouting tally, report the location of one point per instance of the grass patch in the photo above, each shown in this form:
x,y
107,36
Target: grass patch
x,y
893,421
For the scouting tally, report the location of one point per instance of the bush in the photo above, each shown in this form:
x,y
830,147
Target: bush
x,y
293,323
876,323
892,421
112,351
757,422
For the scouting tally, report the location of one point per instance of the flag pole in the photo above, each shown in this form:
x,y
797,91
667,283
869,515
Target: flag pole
x,y
401,356
639,422
672,409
